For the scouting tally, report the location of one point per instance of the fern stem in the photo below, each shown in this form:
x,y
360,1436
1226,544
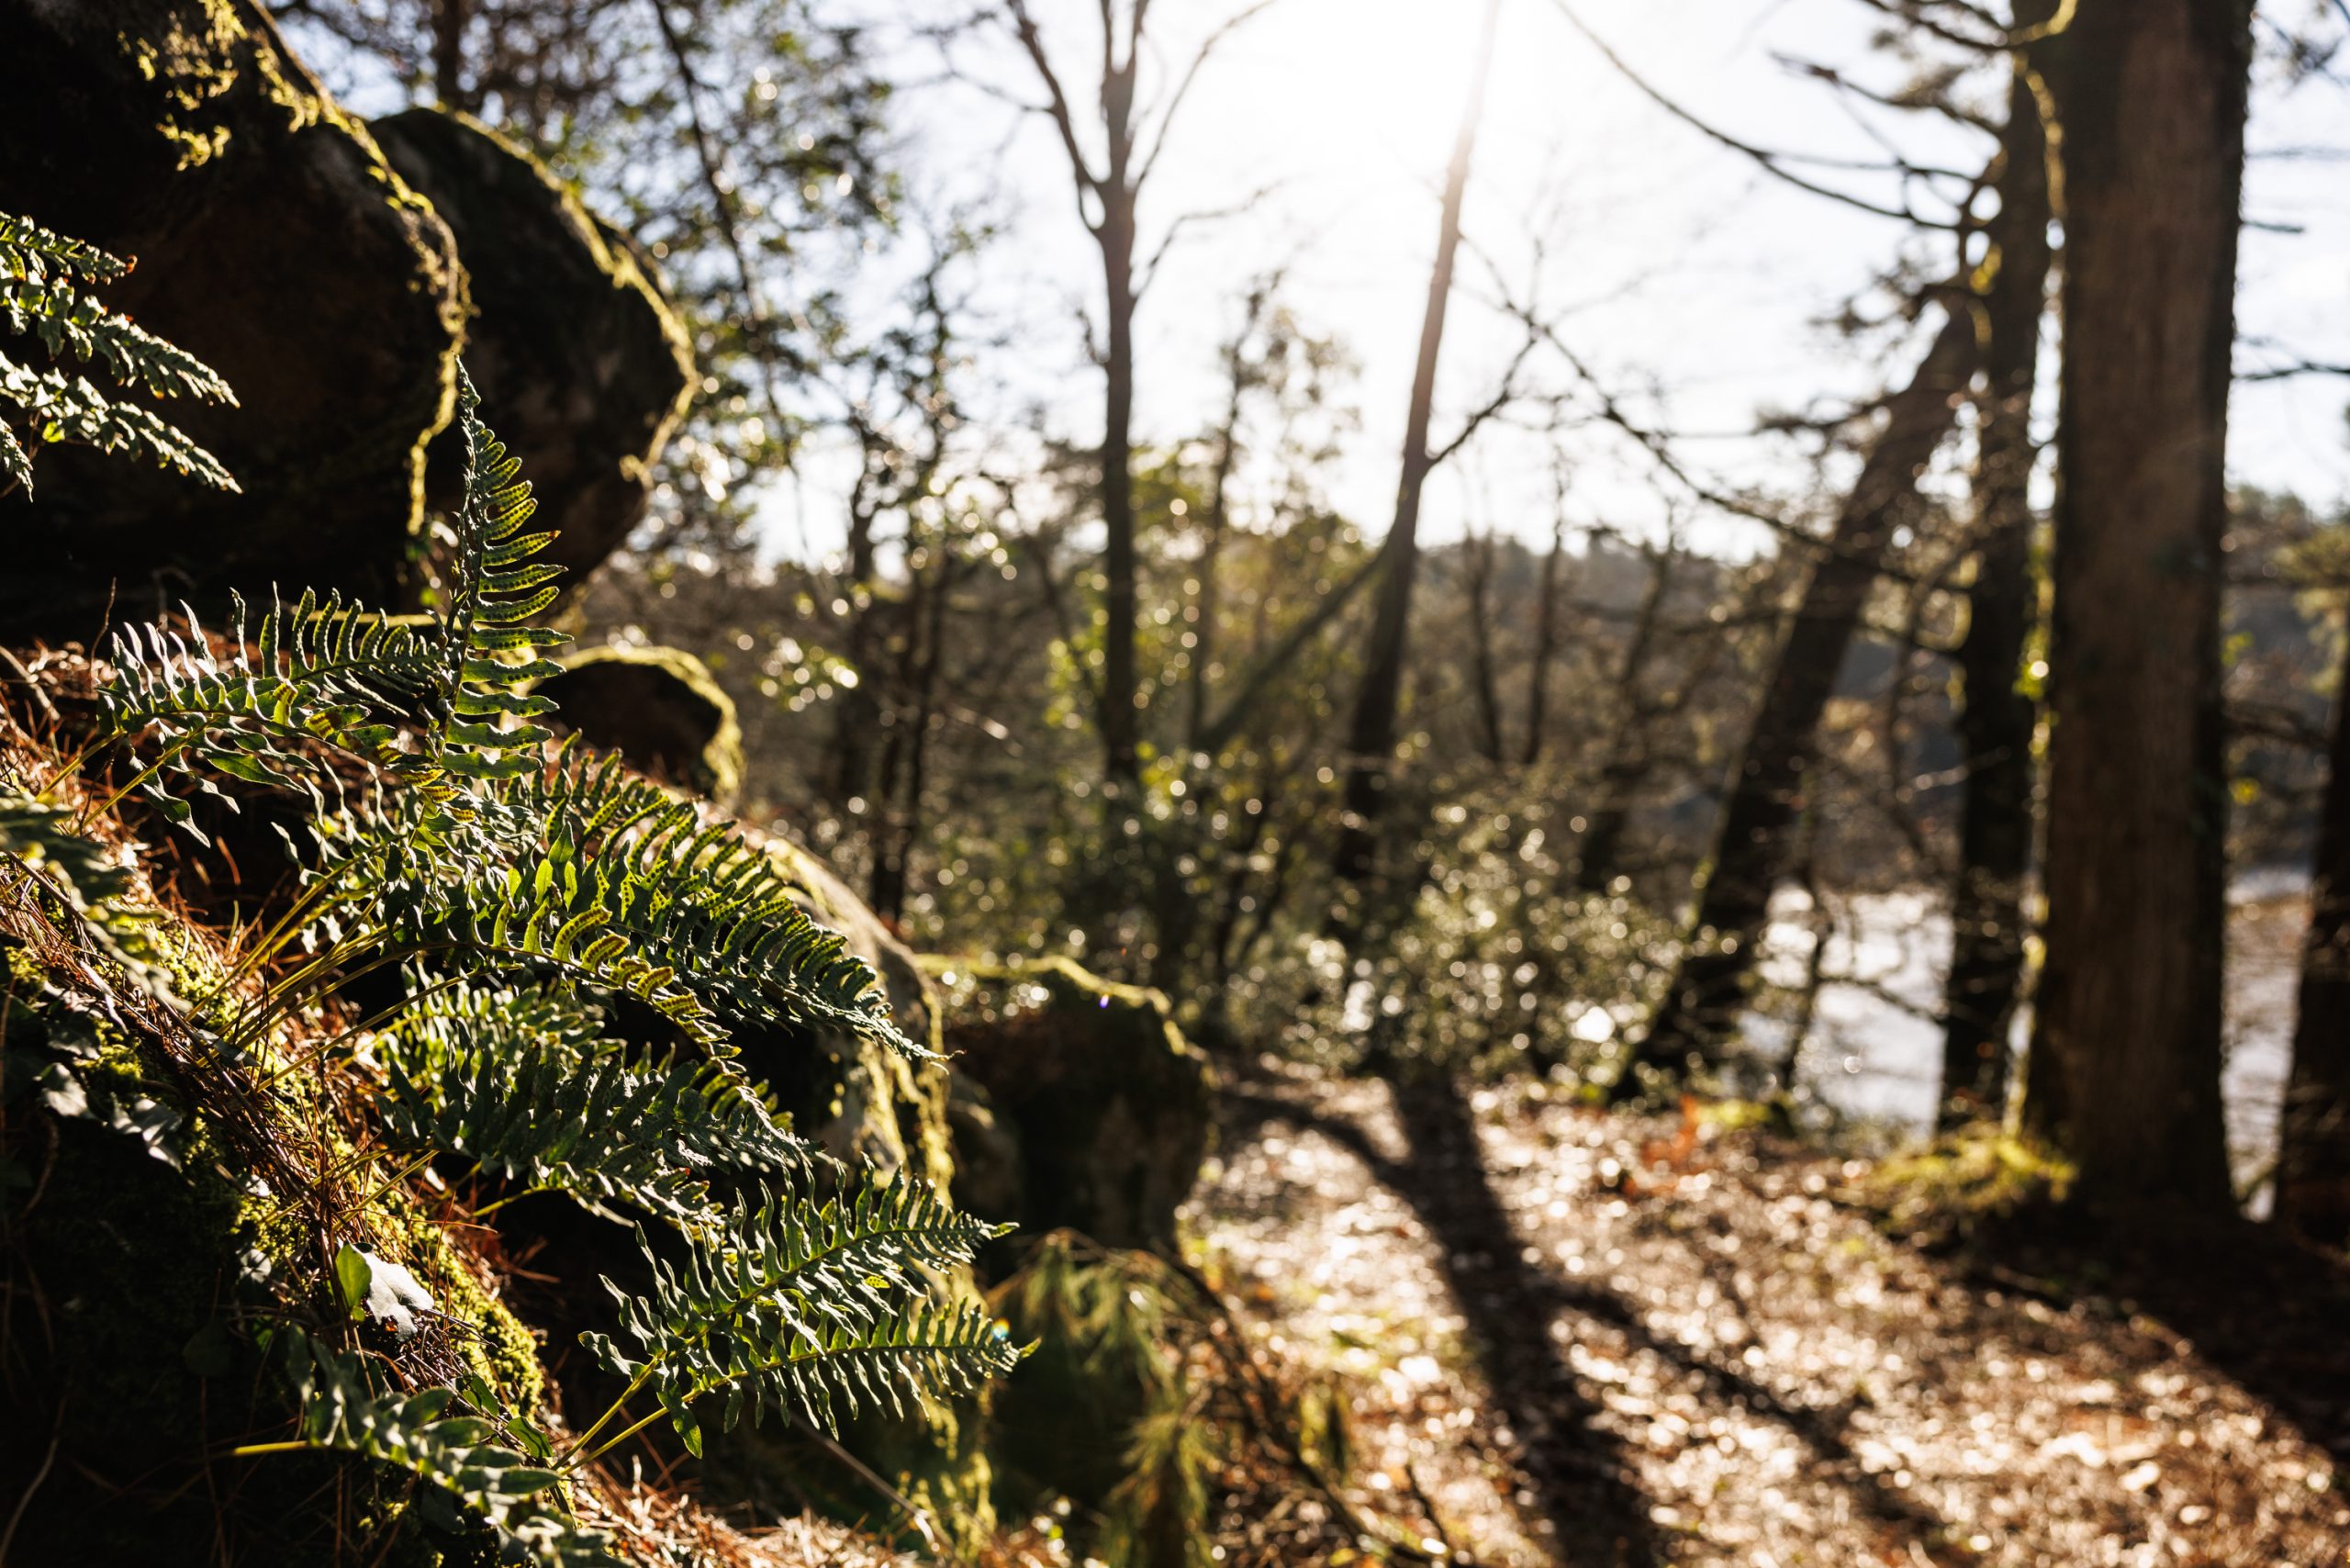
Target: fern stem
x,y
277,935
644,1375
364,1026
251,1450
618,1438
92,813
73,764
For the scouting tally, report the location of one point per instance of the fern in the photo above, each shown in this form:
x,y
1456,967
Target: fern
x,y
345,675
584,870
525,1084
521,875
455,1454
809,1311
41,278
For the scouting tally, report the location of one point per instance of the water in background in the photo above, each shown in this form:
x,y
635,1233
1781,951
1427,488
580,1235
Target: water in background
x,y
1875,1048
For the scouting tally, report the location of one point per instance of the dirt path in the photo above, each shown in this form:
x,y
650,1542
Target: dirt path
x,y
1565,1351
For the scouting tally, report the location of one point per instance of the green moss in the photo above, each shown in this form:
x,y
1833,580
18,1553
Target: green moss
x,y
502,1350
1965,1179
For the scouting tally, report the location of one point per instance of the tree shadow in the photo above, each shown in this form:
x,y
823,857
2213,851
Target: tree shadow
x,y
1576,1469
2269,1311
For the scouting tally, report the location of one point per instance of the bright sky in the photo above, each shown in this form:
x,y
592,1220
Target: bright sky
x,y
1698,282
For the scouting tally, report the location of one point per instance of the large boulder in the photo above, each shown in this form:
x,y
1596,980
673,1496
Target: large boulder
x,y
1106,1103
331,273
583,367
660,708
273,242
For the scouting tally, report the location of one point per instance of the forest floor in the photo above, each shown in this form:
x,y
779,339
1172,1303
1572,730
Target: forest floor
x,y
1588,1338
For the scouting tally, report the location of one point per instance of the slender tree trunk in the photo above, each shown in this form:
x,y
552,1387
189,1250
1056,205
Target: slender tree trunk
x,y
1629,753
1370,734
1206,603
1767,790
2151,96
1121,681
2313,1174
1546,643
858,712
1479,552
1996,723
449,54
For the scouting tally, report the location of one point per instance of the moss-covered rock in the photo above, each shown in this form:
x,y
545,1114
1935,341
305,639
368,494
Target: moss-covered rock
x,y
660,708
579,360
274,242
1110,1104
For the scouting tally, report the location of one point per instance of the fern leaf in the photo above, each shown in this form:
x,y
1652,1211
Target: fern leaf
x,y
525,1083
325,672
74,324
812,1312
584,869
414,1433
343,674
491,650
16,464
34,254
64,409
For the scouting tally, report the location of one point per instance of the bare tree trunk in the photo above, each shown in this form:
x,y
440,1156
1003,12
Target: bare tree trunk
x,y
1546,643
857,713
1206,601
1480,553
1120,680
2151,96
1996,723
1767,790
1630,756
2313,1172
449,54
1370,734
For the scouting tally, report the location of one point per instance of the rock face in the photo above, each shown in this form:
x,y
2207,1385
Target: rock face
x,y
1107,1103
332,274
661,709
583,368
273,242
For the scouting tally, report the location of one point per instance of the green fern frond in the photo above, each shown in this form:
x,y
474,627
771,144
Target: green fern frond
x,y
810,1311
585,869
492,649
523,1083
63,409
347,676
34,254
415,1433
327,672
40,297
68,324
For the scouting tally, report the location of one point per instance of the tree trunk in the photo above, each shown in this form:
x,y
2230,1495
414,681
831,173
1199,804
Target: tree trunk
x,y
1207,602
1996,723
2313,1174
2151,96
1629,753
857,713
1766,792
449,55
1545,640
1480,553
1121,681
1370,734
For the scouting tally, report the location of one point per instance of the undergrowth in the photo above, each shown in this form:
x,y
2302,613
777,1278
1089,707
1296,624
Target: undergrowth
x,y
436,1004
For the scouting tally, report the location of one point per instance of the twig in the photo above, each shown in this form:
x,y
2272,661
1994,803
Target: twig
x,y
56,1435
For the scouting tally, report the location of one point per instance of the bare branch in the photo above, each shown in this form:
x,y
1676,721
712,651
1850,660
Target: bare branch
x,y
1209,214
1166,117
1771,163
1024,27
